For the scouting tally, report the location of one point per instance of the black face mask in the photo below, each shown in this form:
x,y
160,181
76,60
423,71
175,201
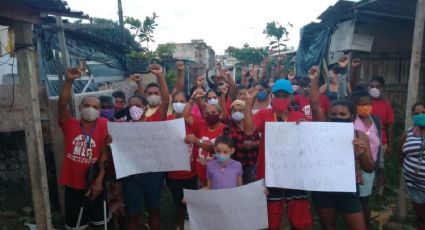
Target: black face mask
x,y
344,120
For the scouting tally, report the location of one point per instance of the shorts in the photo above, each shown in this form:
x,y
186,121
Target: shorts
x,y
142,187
75,199
415,195
365,189
176,187
299,214
275,194
345,202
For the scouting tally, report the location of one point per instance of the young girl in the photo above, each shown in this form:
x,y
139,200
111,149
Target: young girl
x,y
223,171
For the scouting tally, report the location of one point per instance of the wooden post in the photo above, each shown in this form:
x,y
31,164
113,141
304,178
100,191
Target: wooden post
x,y
33,136
412,90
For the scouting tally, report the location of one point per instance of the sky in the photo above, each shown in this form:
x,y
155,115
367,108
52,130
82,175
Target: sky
x,y
219,23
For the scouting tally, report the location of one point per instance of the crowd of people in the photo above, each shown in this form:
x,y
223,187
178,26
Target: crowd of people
x,y
225,132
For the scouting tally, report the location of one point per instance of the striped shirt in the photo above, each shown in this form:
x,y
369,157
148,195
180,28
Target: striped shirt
x,y
414,161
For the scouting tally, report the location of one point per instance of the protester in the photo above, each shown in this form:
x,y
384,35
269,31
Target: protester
x,y
246,146
146,186
383,110
119,97
330,89
262,100
107,107
85,143
328,204
371,126
411,155
299,215
224,172
205,132
179,180
241,93
303,99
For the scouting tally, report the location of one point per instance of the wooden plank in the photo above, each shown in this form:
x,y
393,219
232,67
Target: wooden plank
x,y
33,135
412,91
14,11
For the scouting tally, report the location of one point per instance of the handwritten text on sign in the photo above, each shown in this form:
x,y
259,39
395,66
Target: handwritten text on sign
x,y
314,156
139,147
236,208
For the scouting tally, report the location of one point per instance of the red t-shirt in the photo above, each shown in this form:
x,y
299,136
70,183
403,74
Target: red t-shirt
x,y
384,111
155,116
184,174
201,131
76,160
304,103
260,119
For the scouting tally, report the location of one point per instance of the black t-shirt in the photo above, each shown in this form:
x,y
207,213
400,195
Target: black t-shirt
x,y
123,115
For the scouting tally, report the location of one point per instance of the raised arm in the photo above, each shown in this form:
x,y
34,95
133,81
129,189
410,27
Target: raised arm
x,y
249,126
179,86
65,96
318,113
232,85
195,98
244,77
263,71
165,94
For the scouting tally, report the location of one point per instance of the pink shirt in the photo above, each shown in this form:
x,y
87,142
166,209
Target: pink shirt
x,y
372,134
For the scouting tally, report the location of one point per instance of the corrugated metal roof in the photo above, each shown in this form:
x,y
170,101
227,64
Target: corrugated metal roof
x,y
52,7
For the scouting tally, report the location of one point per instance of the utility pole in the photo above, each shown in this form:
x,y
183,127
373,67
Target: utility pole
x,y
121,21
412,90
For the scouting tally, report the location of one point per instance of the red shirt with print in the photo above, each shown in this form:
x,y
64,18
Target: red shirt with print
x,y
155,116
191,149
304,105
201,131
77,159
260,119
384,111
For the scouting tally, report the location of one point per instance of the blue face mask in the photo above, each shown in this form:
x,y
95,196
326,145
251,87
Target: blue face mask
x,y
221,157
262,95
419,120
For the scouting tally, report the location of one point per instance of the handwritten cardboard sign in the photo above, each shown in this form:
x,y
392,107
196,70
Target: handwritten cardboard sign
x,y
140,147
242,207
313,156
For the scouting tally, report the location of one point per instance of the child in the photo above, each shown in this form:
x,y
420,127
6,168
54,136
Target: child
x,y
223,171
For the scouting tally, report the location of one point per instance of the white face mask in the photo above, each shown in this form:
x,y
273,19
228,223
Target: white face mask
x,y
213,101
154,100
374,92
136,113
238,116
89,114
178,107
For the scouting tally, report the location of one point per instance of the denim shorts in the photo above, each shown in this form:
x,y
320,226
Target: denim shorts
x,y
415,195
143,187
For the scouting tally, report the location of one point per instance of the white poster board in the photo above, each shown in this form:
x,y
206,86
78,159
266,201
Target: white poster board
x,y
313,156
139,147
243,207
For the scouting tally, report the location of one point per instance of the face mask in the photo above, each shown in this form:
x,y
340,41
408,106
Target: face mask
x,y
364,110
419,120
238,116
153,100
213,101
107,113
89,114
343,120
221,157
374,92
271,85
136,113
262,95
280,104
178,107
212,119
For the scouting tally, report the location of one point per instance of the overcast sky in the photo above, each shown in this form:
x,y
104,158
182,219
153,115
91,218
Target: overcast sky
x,y
221,23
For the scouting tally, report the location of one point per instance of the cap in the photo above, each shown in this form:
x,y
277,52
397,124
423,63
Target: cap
x,y
282,84
237,102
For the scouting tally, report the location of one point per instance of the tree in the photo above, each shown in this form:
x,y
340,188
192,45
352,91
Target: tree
x,y
247,55
165,50
143,30
277,34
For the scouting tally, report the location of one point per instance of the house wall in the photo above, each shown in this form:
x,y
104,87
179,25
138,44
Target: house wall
x,y
196,51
